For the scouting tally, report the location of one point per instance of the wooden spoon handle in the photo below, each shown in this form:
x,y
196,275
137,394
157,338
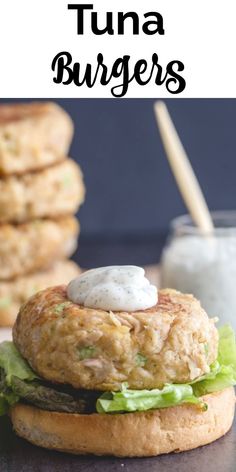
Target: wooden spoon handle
x,y
183,171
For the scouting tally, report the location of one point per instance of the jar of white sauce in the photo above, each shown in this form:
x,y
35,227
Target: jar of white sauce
x,y
204,265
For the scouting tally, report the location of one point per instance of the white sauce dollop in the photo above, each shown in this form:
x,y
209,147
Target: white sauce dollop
x,y
113,288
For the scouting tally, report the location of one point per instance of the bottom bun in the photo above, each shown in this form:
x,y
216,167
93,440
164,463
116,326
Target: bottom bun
x,y
132,434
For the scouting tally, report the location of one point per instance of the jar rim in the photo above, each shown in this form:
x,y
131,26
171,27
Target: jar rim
x,y
224,224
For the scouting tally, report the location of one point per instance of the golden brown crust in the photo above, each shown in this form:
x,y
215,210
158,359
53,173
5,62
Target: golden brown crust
x,y
35,245
96,349
55,191
33,135
15,292
140,434
15,112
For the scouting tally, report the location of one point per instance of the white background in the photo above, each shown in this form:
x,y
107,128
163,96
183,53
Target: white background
x,y
202,34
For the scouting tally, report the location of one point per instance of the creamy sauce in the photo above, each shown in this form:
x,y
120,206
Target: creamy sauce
x,y
113,288
205,267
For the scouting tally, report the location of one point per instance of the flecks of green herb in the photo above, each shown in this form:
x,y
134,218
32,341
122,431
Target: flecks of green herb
x,y
58,309
206,348
67,180
86,352
5,302
140,359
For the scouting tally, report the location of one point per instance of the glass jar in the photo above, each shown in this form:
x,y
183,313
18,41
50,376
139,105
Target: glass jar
x,y
204,265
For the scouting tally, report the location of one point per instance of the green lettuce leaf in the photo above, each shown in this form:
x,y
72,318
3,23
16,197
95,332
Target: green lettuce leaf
x,y
227,346
223,371
142,400
13,363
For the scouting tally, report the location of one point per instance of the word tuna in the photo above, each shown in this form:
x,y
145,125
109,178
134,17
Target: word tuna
x,y
149,26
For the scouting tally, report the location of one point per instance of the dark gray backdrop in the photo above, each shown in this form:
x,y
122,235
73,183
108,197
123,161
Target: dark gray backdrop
x,y
131,194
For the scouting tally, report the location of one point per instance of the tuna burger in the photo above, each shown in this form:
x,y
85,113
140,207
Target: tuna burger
x,y
107,365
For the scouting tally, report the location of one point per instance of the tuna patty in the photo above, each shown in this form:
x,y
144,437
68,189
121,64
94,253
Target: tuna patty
x,y
32,136
35,245
174,341
51,192
15,292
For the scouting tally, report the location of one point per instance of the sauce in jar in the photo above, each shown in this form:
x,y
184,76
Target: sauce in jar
x,y
204,265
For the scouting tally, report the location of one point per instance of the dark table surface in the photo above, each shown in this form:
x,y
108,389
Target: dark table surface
x,y
16,455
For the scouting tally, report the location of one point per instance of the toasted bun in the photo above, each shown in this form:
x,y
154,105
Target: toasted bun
x,y
133,434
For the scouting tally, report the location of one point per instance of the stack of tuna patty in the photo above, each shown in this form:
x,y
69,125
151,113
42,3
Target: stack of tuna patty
x,y
40,191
